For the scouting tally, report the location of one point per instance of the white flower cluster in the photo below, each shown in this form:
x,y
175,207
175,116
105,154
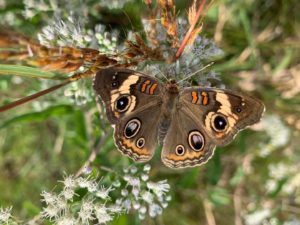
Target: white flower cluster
x,y
143,195
63,209
32,7
194,57
5,215
258,217
106,41
278,132
78,93
135,191
287,172
69,32
114,4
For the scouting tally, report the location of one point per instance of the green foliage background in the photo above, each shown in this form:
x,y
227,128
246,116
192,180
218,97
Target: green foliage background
x,y
41,141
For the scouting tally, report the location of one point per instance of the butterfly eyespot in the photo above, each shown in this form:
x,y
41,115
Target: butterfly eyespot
x,y
140,142
238,109
196,140
179,150
114,84
122,103
132,128
219,123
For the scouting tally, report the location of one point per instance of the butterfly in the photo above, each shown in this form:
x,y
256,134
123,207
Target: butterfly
x,y
189,122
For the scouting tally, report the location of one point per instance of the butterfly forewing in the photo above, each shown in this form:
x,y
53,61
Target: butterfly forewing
x,y
222,112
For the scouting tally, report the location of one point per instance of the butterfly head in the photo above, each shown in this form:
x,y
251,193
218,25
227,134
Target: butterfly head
x,y
172,86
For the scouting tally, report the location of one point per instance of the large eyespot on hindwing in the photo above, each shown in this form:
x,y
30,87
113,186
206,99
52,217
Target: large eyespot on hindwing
x,y
132,128
219,122
196,140
122,103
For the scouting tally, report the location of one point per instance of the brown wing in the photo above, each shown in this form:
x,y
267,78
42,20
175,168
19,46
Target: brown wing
x,y
204,118
133,103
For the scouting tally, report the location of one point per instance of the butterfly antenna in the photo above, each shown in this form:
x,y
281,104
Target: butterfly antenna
x,y
192,74
161,73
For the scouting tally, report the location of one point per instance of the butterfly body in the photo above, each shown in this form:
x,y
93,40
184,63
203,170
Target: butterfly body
x,y
188,122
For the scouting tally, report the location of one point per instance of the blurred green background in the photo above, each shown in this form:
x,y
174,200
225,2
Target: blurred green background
x,y
254,180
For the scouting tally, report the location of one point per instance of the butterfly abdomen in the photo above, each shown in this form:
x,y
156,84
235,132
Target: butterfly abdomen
x,y
170,99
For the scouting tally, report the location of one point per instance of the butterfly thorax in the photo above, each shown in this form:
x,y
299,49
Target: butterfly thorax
x,y
170,98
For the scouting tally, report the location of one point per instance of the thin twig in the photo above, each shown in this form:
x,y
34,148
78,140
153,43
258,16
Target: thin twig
x,y
237,202
209,212
94,153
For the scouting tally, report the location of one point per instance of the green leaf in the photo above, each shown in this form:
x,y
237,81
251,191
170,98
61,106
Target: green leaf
x,y
30,208
219,196
26,71
190,179
213,169
237,177
39,116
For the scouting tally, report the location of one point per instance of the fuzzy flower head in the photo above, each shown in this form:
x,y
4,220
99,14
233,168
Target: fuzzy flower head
x,y
63,209
5,215
194,57
142,195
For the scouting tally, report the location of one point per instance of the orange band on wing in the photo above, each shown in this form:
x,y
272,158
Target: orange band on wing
x,y
144,86
204,98
152,88
194,97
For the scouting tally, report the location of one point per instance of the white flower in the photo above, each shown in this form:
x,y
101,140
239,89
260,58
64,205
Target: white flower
x,y
5,215
83,183
127,177
116,209
257,217
68,193
104,192
102,214
133,169
278,132
69,182
143,210
136,205
154,210
141,216
92,186
145,177
159,188
148,197
134,181
135,192
61,203
168,198
49,198
50,212
124,192
164,204
147,168
86,211
127,204
66,220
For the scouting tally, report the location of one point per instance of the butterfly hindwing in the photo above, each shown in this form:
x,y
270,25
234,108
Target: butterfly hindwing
x,y
186,143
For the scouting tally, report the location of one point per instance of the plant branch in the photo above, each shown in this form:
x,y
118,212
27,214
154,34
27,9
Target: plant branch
x,y
190,31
